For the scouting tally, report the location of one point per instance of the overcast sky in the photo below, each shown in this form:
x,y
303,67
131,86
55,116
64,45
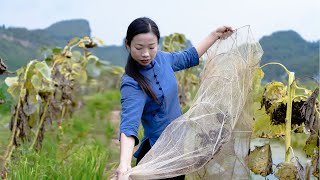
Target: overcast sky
x,y
195,18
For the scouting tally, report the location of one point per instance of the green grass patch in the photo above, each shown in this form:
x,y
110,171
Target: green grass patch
x,y
86,162
81,149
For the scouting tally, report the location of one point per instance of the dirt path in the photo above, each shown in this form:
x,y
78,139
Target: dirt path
x,y
115,120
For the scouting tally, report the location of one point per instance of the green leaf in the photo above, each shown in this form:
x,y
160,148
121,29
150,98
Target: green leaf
x,y
103,63
41,86
44,70
28,109
76,55
262,126
11,81
92,57
260,160
92,69
118,70
56,50
257,77
23,92
72,41
14,91
311,145
20,71
182,39
32,103
68,54
99,40
79,73
48,60
315,164
86,38
174,42
36,82
286,170
30,71
33,120
81,45
275,90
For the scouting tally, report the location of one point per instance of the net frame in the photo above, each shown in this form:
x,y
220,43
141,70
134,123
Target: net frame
x,y
212,139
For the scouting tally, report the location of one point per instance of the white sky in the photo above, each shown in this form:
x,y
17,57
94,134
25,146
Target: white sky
x,y
195,18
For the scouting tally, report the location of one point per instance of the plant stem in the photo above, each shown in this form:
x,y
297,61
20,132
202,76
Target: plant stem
x,y
14,128
40,124
10,147
291,93
275,63
62,116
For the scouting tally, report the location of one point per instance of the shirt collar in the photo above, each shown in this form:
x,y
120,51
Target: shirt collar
x,y
146,67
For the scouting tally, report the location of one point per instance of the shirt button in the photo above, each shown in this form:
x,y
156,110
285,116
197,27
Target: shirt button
x,y
155,75
157,82
162,96
160,88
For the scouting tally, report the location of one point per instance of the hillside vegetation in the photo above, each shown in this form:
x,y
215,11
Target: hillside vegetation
x,y
20,45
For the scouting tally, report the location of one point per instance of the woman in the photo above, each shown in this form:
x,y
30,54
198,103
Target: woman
x,y
149,90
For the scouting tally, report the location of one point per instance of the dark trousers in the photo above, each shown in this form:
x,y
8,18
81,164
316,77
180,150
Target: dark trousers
x,y
145,148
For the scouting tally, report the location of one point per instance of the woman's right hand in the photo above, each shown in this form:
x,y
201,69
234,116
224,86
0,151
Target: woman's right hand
x,y
126,151
120,172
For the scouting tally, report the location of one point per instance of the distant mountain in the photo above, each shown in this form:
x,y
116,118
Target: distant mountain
x,y
20,45
116,55
291,50
64,30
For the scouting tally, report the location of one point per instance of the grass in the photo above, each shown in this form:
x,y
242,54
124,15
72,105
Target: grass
x,y
6,97
82,149
85,162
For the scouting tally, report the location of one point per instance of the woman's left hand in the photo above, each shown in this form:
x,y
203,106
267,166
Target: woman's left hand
x,y
223,32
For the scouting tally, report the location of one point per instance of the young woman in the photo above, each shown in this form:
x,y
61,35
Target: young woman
x,y
149,91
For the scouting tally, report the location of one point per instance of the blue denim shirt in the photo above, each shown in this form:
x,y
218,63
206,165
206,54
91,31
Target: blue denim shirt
x,y
136,105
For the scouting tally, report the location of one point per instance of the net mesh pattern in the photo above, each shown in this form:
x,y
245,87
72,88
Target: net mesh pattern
x,y
211,140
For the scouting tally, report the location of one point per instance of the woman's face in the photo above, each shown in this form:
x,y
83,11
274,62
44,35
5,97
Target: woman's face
x,y
143,48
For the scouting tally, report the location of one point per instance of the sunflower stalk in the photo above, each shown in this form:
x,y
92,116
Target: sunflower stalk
x,y
292,86
40,124
291,94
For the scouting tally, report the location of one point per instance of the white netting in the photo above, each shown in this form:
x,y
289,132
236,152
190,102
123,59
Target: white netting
x,y
211,140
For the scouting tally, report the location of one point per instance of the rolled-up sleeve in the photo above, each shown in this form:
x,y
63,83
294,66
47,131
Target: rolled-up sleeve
x,y
184,59
132,101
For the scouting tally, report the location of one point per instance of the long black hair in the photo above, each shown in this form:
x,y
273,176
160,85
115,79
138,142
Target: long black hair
x,y
139,26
